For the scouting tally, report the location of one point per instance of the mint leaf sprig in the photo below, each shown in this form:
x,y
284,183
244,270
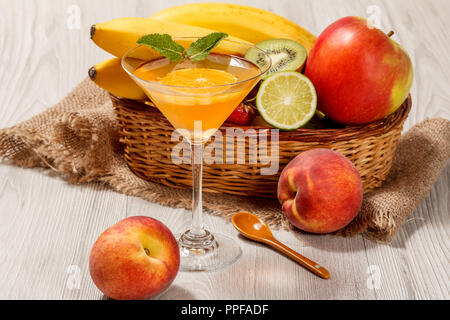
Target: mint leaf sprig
x,y
166,46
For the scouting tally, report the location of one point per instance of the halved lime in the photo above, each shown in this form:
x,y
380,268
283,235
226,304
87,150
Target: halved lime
x,y
287,100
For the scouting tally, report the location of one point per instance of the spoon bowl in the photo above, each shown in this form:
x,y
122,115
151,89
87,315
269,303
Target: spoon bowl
x,y
254,228
251,226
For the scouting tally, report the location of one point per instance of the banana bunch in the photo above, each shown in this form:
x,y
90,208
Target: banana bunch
x,y
242,23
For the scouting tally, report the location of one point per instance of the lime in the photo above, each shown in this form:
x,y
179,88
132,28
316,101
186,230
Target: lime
x,y
287,100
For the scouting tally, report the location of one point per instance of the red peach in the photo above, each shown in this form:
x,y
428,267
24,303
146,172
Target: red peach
x,y
137,258
320,191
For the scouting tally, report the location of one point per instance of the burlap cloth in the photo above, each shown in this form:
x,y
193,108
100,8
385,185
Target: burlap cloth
x,y
78,139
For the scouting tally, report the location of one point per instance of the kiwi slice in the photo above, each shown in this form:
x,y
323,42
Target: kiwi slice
x,y
286,55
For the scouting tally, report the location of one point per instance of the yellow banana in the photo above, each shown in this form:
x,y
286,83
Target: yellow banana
x,y
120,35
247,23
110,76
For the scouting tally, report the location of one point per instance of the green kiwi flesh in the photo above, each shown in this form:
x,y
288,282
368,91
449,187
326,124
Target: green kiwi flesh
x,y
286,55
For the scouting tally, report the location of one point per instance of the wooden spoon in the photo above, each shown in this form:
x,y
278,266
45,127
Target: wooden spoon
x,y
255,229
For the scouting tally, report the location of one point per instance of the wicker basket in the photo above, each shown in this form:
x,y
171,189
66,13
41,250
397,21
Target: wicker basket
x,y
146,136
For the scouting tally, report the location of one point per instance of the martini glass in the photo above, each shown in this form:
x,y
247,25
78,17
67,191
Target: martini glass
x,y
196,109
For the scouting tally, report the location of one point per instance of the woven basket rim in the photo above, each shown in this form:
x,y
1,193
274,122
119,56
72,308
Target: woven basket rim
x,y
147,112
146,136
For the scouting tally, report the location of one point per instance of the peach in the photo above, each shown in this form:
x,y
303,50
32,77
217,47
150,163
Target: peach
x,y
137,258
320,191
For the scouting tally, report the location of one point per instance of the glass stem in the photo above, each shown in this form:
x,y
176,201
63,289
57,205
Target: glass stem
x,y
197,228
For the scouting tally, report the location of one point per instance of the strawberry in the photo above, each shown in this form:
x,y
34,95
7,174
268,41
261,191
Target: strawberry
x,y
242,115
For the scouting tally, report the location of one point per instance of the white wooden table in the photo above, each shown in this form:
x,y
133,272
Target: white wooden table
x,y
47,226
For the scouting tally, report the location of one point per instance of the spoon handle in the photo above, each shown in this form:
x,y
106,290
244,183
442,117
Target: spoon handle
x,y
312,266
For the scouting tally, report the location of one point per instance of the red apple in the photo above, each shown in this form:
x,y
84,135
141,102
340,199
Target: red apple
x,y
135,259
320,190
359,73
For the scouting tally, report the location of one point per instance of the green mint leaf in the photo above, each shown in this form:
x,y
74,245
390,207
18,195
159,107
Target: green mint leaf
x,y
164,44
200,49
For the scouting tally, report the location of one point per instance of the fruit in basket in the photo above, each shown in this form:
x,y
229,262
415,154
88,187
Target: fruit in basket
x,y
360,74
110,76
248,23
118,36
243,115
286,55
320,191
137,258
286,100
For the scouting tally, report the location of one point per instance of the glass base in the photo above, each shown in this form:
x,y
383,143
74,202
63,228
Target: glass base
x,y
208,252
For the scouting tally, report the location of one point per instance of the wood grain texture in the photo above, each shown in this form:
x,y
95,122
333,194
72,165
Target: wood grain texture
x,y
47,226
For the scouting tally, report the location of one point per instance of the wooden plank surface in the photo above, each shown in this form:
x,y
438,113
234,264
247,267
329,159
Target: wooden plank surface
x,y
47,227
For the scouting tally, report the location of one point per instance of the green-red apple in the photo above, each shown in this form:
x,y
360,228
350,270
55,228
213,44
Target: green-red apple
x,y
360,74
137,258
320,190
